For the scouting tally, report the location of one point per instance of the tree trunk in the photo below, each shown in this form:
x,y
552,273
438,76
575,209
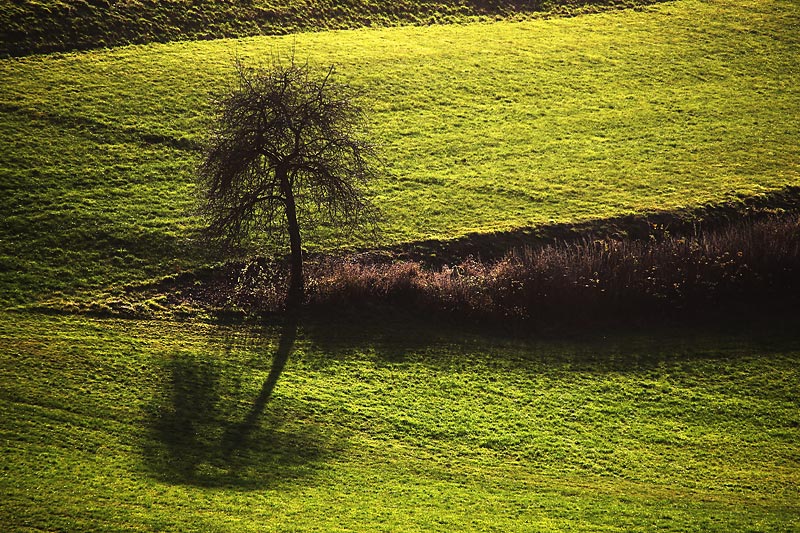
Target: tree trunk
x,y
296,283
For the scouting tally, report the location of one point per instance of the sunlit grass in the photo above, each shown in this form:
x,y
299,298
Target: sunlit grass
x,y
155,425
127,425
484,127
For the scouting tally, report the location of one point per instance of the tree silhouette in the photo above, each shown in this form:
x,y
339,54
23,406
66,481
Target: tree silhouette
x,y
286,154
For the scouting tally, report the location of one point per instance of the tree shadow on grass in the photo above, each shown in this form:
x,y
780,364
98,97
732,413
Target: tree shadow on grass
x,y
452,346
202,432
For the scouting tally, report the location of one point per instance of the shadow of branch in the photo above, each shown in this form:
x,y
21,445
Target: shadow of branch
x,y
201,434
238,435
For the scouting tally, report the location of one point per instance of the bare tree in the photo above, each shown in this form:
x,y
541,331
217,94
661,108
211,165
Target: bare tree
x,y
286,154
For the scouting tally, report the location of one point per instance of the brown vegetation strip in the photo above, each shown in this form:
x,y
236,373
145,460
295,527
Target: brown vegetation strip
x,y
743,266
740,259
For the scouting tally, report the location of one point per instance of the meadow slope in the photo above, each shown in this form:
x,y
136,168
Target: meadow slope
x,y
125,425
399,424
484,127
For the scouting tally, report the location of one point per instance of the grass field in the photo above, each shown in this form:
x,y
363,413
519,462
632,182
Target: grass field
x,y
484,127
58,25
402,423
113,425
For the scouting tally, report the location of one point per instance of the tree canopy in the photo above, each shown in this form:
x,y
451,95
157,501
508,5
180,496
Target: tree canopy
x,y
287,152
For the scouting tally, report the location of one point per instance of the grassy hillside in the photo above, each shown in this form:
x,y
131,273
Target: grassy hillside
x,y
484,127
141,426
30,26
385,424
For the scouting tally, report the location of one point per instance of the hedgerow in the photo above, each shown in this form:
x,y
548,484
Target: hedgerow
x,y
744,266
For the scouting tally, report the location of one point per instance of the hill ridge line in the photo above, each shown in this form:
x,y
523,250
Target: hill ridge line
x,y
686,221
48,26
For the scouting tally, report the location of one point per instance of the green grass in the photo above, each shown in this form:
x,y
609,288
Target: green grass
x,y
155,425
139,426
484,127
58,25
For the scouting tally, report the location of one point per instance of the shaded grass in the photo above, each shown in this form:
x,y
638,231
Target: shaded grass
x,y
394,426
52,26
485,128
